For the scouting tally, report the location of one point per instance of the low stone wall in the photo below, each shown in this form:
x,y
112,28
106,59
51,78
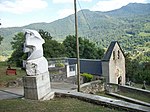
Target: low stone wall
x,y
57,77
110,88
57,74
134,90
92,87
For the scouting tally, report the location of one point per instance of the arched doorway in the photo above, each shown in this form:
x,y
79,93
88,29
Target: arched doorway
x,y
119,80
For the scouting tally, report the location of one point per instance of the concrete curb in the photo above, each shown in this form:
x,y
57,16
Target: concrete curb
x,y
103,101
130,99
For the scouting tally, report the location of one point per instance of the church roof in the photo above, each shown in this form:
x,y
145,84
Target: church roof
x,y
110,50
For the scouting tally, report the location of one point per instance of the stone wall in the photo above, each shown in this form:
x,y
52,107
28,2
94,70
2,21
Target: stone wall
x,y
57,77
92,87
134,90
110,88
57,74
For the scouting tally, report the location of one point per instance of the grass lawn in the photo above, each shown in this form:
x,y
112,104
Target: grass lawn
x,y
135,96
105,95
4,79
55,105
140,86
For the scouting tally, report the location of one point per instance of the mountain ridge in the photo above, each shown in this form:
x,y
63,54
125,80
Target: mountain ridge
x,y
99,27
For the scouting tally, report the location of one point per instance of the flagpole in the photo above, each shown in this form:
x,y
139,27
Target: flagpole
x,y
77,45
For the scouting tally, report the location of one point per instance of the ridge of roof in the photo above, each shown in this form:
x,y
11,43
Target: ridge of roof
x,y
110,50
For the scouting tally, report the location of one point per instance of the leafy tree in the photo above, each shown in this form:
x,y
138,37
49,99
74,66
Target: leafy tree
x,y
1,38
70,46
18,55
87,49
136,70
51,48
45,35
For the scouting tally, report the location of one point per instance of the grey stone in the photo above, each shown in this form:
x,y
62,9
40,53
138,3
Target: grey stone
x,y
36,87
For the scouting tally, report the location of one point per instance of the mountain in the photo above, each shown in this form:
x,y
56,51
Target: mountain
x,y
130,25
131,9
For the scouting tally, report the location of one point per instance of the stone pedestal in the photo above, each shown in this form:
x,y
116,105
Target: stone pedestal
x,y
36,87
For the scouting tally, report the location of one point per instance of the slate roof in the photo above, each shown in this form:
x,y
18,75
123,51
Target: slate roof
x,y
110,50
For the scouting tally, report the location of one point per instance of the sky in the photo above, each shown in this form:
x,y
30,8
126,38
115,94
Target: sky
x,y
15,13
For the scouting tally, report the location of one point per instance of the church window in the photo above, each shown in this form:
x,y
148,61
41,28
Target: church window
x,y
118,54
113,55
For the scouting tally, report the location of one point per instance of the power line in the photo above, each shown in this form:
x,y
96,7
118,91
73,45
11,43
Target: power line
x,y
84,17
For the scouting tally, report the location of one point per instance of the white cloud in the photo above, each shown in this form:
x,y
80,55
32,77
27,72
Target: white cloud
x,y
21,6
65,12
107,5
69,1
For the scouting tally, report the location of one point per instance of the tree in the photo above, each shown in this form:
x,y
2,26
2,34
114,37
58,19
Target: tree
x,y
1,38
137,71
45,34
88,49
70,46
51,48
18,55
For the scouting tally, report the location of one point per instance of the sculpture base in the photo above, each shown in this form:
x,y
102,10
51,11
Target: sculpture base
x,y
36,87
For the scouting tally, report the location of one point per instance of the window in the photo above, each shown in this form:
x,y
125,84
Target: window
x,y
113,55
118,54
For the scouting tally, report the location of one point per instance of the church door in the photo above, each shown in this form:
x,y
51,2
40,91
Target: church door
x,y
119,80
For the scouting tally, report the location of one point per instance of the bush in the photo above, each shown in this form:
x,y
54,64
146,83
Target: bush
x,y
59,65
87,77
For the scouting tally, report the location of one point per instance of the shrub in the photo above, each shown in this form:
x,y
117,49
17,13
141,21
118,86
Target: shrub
x,y
87,77
59,65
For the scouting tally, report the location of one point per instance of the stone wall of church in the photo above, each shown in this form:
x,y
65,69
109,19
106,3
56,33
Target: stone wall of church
x,y
117,66
105,70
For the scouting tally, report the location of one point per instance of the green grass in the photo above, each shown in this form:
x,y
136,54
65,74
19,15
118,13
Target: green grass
x,y
55,105
105,95
141,85
135,96
4,79
143,34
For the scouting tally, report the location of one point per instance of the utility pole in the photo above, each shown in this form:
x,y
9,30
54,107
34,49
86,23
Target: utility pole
x,y
77,44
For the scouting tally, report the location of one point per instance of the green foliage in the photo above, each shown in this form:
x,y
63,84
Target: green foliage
x,y
137,69
45,34
1,38
59,65
18,55
88,77
126,24
87,49
70,46
53,49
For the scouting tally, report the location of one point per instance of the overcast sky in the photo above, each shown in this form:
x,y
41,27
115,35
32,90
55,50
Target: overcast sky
x,y
24,12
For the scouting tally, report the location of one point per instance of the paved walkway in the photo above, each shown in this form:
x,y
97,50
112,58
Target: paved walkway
x,y
62,88
10,93
17,92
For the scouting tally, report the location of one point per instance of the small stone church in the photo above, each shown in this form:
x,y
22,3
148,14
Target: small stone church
x,y
111,67
113,64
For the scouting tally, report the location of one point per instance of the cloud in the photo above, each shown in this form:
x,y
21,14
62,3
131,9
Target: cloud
x,y
69,1
65,12
107,5
22,6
